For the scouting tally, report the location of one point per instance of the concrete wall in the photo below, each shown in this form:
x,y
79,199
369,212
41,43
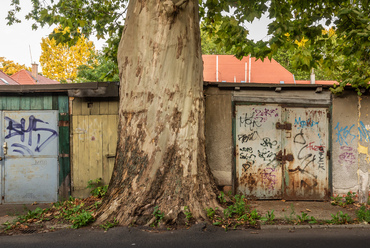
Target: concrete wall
x,y
350,142
218,131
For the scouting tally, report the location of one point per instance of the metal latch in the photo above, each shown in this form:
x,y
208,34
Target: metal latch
x,y
285,126
283,158
5,147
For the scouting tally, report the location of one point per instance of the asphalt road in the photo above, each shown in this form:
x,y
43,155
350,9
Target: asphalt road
x,y
194,237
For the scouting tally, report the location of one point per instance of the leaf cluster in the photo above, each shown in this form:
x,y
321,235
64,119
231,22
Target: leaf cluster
x,y
294,25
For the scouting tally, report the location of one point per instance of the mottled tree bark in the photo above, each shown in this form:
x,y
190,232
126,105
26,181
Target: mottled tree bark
x,y
161,149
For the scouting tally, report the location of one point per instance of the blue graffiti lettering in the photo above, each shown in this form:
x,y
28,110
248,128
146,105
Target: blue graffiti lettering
x,y
19,129
344,134
305,123
363,132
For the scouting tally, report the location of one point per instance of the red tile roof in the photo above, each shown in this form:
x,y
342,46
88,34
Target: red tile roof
x,y
231,69
6,80
25,77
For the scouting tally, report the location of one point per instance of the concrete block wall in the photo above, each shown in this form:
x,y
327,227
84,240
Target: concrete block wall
x,y
350,144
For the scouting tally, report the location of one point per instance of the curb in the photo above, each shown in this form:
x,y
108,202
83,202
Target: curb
x,y
294,227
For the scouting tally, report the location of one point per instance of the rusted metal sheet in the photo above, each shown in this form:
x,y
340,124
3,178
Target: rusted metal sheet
x,y
31,159
259,173
306,176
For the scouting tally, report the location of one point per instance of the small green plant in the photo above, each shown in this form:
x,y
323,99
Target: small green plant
x,y
350,198
340,218
336,200
108,224
8,225
269,217
313,220
291,216
188,215
221,197
81,219
303,217
253,217
158,216
238,208
97,188
363,215
211,212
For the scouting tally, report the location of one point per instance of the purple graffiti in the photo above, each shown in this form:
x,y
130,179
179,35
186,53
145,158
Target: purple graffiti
x,y
19,129
347,156
263,114
268,178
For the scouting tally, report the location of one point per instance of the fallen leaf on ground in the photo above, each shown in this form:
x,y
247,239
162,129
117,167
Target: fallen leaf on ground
x,y
308,210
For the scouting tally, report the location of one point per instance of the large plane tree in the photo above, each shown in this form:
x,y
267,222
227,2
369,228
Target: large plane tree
x,y
160,158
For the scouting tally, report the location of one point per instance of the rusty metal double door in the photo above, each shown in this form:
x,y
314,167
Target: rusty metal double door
x,y
282,152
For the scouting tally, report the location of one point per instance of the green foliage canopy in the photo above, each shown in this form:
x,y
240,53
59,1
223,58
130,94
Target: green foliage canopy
x,y
226,18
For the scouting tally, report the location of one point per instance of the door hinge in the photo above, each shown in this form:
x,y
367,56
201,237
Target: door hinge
x,y
285,126
63,123
328,115
328,154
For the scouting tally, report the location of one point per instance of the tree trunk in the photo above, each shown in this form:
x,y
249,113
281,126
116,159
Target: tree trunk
x,y
161,148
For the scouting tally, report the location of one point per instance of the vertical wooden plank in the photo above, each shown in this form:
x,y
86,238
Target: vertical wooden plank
x,y
74,153
76,106
36,103
48,102
105,149
25,103
12,103
82,161
3,102
94,108
84,109
104,108
95,146
64,147
113,107
112,132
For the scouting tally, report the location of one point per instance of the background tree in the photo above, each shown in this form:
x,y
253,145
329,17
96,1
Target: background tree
x,y
104,69
10,67
60,61
160,157
295,58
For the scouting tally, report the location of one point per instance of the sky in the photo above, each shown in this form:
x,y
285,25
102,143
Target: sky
x,y
19,42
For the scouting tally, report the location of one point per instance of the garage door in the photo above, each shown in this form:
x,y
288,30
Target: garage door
x,y
282,152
